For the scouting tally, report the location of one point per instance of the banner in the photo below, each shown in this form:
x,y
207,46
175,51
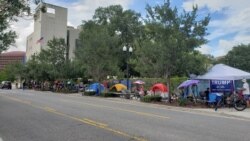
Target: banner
x,y
221,85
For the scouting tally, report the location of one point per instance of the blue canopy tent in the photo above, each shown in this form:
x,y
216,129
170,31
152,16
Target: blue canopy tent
x,y
96,87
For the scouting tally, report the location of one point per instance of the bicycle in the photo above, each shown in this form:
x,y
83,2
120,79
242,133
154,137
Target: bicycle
x,y
235,100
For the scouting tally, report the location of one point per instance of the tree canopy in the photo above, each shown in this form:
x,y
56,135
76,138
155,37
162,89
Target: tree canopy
x,y
10,11
171,40
164,45
238,57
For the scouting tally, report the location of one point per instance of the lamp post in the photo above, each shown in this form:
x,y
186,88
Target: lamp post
x,y
127,50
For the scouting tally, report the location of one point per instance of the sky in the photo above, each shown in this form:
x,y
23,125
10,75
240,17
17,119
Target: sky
x,y
229,25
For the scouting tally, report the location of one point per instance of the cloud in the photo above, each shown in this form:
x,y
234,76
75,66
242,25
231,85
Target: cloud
x,y
205,49
226,31
78,10
224,46
23,28
216,5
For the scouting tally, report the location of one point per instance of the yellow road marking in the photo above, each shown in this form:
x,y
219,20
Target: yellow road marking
x,y
124,110
92,121
96,124
154,106
49,109
18,100
84,120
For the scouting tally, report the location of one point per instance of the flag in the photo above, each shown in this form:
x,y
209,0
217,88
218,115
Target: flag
x,y
40,40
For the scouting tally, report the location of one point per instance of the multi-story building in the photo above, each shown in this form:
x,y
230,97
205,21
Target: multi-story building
x,y
72,41
47,25
11,57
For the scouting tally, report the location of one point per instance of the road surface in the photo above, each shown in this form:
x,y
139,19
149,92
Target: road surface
x,y
45,116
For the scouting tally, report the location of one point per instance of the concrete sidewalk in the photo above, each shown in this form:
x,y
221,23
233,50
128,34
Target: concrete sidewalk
x,y
231,112
221,111
227,111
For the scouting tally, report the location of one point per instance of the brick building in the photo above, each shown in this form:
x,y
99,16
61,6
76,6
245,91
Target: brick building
x,y
11,57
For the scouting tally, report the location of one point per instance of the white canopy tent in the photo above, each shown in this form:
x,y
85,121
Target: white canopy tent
x,y
224,72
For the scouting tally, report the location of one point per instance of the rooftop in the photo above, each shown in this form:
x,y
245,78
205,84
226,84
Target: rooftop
x,y
13,53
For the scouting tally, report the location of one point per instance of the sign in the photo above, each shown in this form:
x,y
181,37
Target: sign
x,y
221,85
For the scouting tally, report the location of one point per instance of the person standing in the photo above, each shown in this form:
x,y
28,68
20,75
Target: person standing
x,y
246,91
24,84
207,94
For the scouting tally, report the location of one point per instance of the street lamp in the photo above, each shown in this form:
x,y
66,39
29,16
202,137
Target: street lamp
x,y
127,50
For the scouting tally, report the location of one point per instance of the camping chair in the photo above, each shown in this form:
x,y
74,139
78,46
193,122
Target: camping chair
x,y
212,99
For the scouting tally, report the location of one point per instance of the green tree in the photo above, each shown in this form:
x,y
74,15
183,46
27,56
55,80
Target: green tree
x,y
52,58
171,40
73,69
10,10
98,53
103,38
3,75
124,23
197,63
127,26
12,71
238,57
50,63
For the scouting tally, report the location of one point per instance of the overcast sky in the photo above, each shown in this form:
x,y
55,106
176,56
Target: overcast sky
x,y
229,24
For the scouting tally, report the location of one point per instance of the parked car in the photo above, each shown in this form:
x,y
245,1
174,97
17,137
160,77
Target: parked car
x,y
6,85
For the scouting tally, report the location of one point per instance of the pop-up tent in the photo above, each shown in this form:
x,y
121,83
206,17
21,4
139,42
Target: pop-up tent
x,y
224,72
118,87
222,78
159,87
95,87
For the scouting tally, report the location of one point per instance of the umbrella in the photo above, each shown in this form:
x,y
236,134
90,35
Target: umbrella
x,y
139,82
159,87
188,83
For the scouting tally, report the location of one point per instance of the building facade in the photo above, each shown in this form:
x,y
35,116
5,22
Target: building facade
x,y
11,57
72,39
47,25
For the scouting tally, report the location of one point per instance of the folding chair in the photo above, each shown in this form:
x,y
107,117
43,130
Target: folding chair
x,y
212,99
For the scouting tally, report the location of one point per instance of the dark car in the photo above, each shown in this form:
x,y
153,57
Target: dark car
x,y
6,85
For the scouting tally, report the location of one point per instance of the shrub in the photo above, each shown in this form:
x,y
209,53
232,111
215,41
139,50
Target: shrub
x,y
182,101
90,93
65,90
151,98
108,94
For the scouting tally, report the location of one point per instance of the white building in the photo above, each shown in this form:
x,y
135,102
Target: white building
x,y
49,24
72,39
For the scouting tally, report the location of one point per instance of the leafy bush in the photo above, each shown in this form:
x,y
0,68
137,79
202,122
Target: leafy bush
x,y
182,101
65,90
90,93
151,98
108,94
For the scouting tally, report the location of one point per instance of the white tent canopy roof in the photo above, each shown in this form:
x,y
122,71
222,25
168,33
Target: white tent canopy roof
x,y
224,72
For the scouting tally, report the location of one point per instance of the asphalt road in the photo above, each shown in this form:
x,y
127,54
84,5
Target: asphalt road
x,y
44,116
